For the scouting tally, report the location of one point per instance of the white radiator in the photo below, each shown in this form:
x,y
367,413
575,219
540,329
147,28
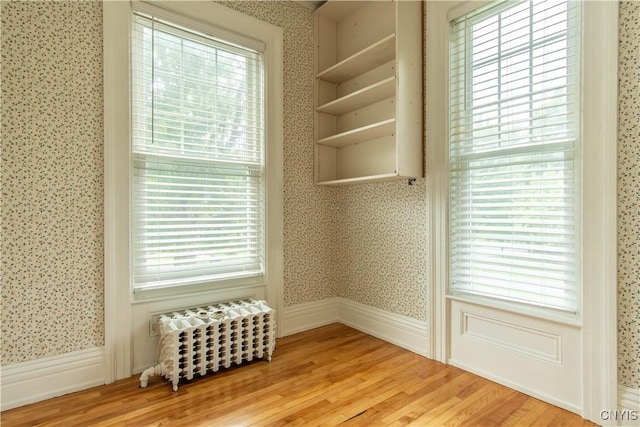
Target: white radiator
x,y
204,340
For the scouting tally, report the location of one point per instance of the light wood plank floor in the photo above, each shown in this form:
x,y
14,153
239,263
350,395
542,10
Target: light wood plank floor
x,y
328,376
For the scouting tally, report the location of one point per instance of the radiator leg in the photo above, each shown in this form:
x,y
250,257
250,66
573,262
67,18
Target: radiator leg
x,y
154,370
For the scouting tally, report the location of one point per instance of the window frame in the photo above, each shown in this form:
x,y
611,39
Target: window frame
x,y
465,76
119,300
179,283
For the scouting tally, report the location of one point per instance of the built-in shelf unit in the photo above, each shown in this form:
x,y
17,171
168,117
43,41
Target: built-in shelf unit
x,y
368,91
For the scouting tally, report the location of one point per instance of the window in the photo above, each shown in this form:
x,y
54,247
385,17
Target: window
x,y
514,153
198,198
172,155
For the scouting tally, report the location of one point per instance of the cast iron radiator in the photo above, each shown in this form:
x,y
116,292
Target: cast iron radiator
x,y
204,340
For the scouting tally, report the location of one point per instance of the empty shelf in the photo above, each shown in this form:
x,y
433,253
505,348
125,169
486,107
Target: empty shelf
x,y
365,133
369,95
360,62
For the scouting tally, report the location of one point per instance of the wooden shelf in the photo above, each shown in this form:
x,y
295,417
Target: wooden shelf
x,y
338,9
368,58
361,179
363,97
366,133
368,65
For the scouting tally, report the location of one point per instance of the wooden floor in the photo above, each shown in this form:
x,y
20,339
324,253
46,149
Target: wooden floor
x,y
328,376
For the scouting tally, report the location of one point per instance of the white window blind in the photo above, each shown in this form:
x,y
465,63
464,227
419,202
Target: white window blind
x,y
197,152
514,153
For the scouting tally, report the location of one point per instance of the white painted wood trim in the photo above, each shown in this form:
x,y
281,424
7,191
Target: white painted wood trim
x,y
629,400
303,317
273,37
403,331
311,5
599,257
117,315
436,119
36,380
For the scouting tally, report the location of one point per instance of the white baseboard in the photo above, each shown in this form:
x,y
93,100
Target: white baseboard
x,y
629,401
302,317
36,380
402,331
628,398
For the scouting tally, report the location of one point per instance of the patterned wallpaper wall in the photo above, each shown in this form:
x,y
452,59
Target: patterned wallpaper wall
x,y
52,139
382,246
629,195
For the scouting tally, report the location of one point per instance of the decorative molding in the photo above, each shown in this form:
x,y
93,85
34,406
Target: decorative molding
x,y
403,331
36,380
599,208
436,72
516,340
629,400
117,295
302,317
531,342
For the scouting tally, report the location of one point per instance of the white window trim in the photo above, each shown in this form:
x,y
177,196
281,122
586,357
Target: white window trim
x,y
599,106
118,292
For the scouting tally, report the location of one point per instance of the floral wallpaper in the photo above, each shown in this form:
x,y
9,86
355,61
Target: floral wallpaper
x,y
382,246
52,193
629,194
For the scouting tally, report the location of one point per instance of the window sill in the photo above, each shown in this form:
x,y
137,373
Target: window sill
x,y
551,315
160,294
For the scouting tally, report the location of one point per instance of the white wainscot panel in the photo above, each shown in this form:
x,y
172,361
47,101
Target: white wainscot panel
x,y
498,345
